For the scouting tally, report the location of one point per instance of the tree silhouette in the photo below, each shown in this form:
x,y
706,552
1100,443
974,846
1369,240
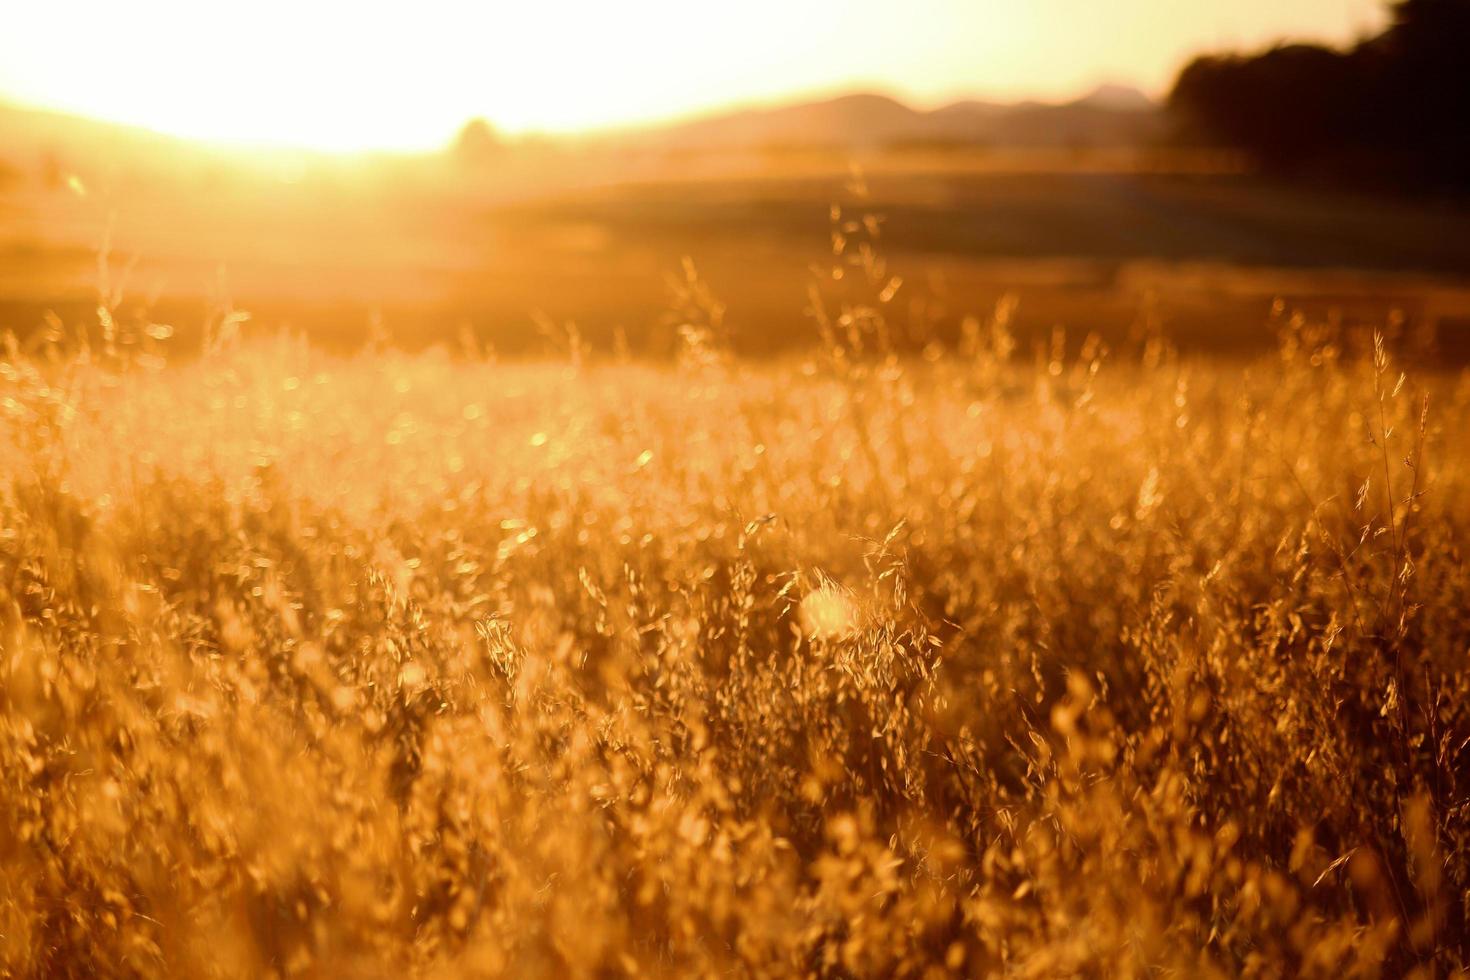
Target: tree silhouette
x,y
1395,105
477,143
1421,67
1287,104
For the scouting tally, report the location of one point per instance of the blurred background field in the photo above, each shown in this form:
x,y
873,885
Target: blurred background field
x,y
1086,235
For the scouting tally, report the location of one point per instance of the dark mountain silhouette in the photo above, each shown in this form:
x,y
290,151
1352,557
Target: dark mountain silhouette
x,y
845,120
1112,115
1121,98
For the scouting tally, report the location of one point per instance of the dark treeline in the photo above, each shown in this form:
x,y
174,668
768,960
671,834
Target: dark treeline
x,y
1394,107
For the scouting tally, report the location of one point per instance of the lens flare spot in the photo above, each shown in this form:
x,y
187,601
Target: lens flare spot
x,y
828,614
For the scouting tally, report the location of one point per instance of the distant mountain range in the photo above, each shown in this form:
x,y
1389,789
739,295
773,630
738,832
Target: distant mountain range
x,y
1112,115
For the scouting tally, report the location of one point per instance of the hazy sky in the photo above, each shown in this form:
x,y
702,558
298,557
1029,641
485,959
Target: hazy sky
x,y
360,73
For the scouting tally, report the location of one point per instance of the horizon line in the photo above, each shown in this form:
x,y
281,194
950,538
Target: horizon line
x,y
815,95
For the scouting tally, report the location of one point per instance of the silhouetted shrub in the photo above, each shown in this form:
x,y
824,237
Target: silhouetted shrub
x,y
1394,105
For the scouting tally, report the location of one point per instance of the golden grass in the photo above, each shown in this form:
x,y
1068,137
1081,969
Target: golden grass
x,y
423,665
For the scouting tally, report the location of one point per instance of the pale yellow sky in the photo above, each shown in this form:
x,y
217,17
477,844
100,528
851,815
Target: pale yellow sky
x,y
352,74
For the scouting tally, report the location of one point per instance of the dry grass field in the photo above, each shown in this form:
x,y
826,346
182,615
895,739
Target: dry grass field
x,y
777,489
1046,661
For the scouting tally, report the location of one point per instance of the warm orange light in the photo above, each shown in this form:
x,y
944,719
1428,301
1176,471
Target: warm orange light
x,y
343,74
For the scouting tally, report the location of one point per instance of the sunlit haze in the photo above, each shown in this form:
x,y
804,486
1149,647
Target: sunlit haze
x,y
869,488
340,75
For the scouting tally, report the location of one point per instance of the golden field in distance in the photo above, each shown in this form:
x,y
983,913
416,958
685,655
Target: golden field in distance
x,y
429,245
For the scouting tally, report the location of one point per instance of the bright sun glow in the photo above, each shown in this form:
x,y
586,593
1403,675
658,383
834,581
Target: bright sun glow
x,y
345,75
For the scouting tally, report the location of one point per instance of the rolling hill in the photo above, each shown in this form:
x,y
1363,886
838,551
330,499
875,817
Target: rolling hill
x,y
1112,115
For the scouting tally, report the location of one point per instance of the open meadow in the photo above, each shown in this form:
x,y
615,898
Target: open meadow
x,y
999,660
